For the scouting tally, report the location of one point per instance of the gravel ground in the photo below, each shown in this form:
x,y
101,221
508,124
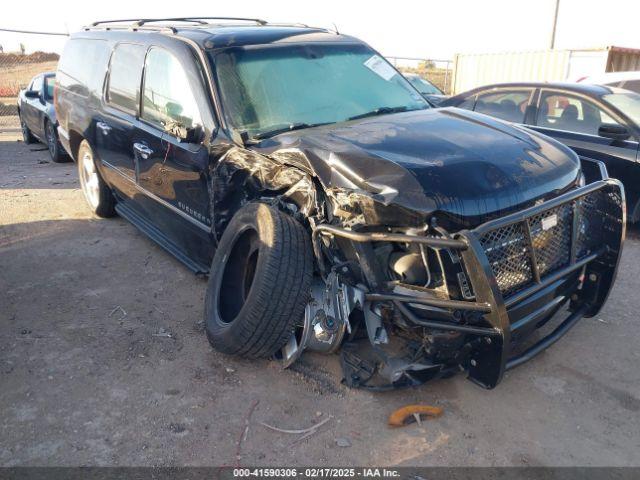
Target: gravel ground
x,y
103,361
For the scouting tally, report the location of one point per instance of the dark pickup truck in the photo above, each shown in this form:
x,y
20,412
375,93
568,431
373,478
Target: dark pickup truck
x,y
332,208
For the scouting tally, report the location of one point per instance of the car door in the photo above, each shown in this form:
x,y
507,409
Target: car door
x,y
172,169
115,122
32,107
575,119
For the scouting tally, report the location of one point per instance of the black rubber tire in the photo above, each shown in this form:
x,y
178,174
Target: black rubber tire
x,y
255,318
106,202
27,136
51,137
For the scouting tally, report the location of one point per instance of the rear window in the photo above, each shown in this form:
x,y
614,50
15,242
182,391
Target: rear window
x,y
509,105
82,65
125,73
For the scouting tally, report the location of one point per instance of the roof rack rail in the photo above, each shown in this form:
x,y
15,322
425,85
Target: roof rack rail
x,y
138,22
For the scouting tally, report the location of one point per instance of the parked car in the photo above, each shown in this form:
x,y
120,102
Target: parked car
x,y
598,122
37,115
330,205
427,89
626,80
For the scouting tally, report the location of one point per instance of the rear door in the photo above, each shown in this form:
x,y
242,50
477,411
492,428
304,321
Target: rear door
x,y
115,123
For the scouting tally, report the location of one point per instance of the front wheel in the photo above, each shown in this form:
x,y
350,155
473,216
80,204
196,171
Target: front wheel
x,y
259,283
96,192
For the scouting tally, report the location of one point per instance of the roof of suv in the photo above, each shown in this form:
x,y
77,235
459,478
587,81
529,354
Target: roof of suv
x,y
216,35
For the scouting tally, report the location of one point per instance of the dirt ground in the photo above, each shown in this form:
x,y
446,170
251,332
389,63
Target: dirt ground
x,y
103,361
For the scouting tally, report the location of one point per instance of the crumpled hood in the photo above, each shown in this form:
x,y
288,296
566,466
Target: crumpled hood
x,y
459,163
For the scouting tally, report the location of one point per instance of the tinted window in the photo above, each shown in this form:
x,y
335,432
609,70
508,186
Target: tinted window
x,y
628,103
125,73
571,113
36,86
168,98
633,85
82,65
509,105
49,84
468,103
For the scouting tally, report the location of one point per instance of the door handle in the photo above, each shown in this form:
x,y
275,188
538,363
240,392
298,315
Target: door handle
x,y
144,151
103,127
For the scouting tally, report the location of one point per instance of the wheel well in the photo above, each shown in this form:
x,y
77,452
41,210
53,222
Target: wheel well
x,y
75,139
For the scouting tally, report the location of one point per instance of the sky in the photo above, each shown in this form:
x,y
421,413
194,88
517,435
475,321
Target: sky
x,y
403,28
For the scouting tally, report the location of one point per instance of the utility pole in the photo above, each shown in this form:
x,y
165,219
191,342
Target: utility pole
x,y
555,22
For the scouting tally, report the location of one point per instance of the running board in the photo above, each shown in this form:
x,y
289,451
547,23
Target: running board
x,y
157,236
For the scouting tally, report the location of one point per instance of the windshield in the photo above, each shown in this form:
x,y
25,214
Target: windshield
x,y
269,89
628,103
424,86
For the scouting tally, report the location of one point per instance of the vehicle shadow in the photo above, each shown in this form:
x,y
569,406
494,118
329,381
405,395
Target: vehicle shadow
x,y
30,167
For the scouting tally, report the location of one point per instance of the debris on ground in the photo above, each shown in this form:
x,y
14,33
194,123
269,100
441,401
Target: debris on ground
x,y
162,333
245,432
413,413
304,432
343,442
297,431
122,310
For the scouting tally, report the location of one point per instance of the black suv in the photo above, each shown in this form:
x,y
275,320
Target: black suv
x,y
331,207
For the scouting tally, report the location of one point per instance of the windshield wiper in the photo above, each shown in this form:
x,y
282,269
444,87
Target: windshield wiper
x,y
288,128
382,111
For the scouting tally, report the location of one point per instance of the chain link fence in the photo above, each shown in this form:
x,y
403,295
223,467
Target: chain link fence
x,y
22,56
437,72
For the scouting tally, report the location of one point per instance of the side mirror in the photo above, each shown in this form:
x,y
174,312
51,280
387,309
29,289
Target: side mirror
x,y
193,134
613,131
32,94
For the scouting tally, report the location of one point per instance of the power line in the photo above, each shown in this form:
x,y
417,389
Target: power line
x,y
33,33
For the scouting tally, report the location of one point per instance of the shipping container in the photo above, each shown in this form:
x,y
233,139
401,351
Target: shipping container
x,y
477,69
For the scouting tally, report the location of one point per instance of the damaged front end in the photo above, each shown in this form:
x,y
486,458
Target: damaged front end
x,y
409,304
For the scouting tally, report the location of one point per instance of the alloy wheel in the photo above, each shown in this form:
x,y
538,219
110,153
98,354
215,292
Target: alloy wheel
x,y
89,180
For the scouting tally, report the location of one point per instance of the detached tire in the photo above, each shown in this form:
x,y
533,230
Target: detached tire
x,y
259,282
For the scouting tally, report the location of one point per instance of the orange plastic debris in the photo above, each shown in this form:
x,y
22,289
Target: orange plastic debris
x,y
405,415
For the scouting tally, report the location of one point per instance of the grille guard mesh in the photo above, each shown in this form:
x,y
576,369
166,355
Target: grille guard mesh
x,y
524,252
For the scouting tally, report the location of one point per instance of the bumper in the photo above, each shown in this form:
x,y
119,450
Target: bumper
x,y
521,270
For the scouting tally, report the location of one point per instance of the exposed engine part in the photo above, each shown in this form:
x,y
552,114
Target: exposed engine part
x,y
410,267
375,330
326,318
